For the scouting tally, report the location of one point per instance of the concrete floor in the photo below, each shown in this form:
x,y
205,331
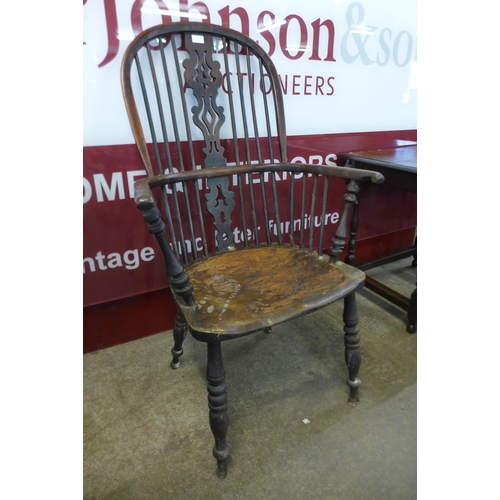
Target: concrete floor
x,y
146,432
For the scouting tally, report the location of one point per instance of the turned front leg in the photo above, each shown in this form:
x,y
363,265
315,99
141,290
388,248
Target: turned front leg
x,y
217,403
352,351
180,330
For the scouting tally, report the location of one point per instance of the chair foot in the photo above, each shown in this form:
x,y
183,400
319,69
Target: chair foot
x,y
221,462
175,363
411,328
354,391
221,469
180,331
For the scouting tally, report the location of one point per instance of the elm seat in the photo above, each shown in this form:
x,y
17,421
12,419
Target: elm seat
x,y
235,297
246,236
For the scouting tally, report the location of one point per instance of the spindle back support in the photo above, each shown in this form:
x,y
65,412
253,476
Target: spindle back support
x,y
202,82
202,86
201,96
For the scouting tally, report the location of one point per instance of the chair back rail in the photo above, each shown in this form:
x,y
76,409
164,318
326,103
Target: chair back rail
x,y
179,99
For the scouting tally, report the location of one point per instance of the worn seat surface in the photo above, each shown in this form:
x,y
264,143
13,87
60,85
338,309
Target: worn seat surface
x,y
234,296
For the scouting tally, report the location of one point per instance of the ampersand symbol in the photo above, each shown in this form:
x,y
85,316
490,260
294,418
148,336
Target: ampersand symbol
x,y
353,28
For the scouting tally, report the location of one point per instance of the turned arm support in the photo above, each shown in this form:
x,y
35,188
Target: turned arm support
x,y
179,280
338,241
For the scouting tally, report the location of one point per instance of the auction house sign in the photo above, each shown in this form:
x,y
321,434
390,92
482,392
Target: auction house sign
x,y
344,67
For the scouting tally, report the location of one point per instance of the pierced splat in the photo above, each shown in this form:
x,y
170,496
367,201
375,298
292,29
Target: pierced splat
x,y
220,203
202,74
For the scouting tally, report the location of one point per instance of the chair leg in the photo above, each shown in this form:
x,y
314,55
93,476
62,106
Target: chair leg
x,y
352,351
180,330
217,403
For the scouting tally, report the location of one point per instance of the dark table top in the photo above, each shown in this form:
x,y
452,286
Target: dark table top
x,y
402,158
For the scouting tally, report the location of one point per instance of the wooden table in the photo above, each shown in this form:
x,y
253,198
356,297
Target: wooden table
x,y
399,167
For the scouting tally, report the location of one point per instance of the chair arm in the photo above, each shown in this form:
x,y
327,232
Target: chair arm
x,y
358,174
179,280
143,196
142,191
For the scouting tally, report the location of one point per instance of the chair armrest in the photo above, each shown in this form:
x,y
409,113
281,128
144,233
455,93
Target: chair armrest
x,y
143,191
143,196
357,174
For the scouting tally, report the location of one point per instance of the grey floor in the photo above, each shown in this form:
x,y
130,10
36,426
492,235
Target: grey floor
x,y
146,432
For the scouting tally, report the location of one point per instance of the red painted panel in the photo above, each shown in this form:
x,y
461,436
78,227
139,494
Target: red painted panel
x,y
91,338
128,319
383,245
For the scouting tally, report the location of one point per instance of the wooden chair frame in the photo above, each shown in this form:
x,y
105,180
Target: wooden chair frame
x,y
224,291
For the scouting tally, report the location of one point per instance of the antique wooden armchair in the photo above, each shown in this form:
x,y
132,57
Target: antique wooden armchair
x,y
241,230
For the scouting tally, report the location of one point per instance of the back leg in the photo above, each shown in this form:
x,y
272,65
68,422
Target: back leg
x,y
180,331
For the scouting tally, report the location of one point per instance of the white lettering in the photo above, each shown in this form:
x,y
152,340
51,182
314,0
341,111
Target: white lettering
x,y
87,190
131,263
131,259
198,243
100,260
316,160
110,191
331,159
115,189
114,260
147,254
90,262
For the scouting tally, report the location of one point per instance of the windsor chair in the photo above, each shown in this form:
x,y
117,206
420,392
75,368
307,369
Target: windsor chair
x,y
242,231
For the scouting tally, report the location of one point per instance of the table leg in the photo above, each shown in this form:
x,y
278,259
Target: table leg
x,y
353,231
412,313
